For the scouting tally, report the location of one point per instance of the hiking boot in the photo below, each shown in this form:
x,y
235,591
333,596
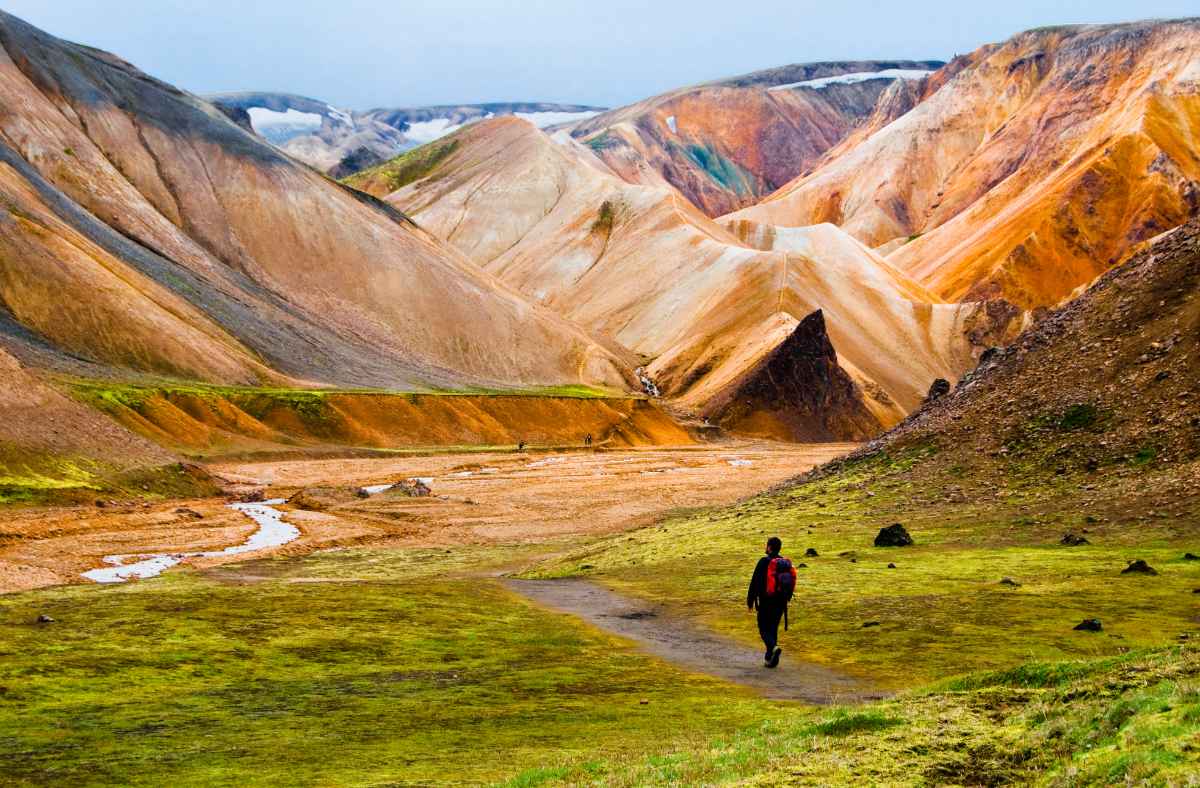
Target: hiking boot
x,y
773,660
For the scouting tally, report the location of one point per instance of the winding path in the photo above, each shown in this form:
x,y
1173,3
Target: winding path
x,y
691,646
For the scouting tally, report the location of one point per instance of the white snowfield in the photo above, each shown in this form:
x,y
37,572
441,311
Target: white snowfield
x,y
429,130
262,118
858,76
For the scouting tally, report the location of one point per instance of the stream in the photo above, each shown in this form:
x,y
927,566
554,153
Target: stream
x,y
272,531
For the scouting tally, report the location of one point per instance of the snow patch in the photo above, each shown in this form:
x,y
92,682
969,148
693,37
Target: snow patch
x,y
738,462
672,125
858,76
263,119
340,115
544,119
545,462
272,531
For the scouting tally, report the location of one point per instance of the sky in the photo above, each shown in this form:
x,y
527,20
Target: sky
x,y
361,54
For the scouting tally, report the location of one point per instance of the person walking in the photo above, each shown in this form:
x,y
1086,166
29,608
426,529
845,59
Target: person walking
x,y
771,588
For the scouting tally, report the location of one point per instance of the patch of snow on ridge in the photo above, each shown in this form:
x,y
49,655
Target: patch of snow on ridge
x,y
672,125
544,119
858,76
340,114
262,118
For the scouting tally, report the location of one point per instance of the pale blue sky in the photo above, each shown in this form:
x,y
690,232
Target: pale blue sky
x,y
365,53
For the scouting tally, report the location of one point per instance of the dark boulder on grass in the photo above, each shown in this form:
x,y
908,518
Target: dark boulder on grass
x,y
1089,625
893,536
44,619
1191,557
811,553
1008,581
1139,567
1073,540
869,624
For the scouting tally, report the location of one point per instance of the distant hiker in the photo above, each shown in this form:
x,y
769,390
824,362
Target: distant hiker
x,y
587,439
771,589
520,445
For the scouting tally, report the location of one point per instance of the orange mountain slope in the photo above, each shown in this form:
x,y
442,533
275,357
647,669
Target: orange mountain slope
x,y
142,232
727,144
1034,166
640,264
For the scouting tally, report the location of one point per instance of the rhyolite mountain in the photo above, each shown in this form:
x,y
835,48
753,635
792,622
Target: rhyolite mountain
x,y
1029,168
729,143
340,142
701,305
144,233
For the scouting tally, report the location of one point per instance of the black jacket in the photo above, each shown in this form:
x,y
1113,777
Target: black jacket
x,y
757,593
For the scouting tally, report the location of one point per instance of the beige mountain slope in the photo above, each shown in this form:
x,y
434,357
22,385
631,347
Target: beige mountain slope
x,y
144,232
1036,165
729,143
642,265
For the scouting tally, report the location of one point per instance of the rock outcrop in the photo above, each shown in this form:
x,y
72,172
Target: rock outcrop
x,y
797,392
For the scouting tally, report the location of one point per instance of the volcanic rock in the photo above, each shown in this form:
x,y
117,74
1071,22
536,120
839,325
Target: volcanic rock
x,y
45,619
1073,540
1089,625
811,553
1191,557
1008,581
939,389
893,535
1139,567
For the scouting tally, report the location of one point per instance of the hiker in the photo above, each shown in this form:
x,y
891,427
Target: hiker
x,y
771,589
521,446
587,440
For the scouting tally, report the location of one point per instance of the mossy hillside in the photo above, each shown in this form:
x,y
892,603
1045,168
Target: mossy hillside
x,y
42,478
409,167
396,668
942,610
1134,719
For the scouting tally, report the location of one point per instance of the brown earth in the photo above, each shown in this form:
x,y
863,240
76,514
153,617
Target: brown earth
x,y
527,498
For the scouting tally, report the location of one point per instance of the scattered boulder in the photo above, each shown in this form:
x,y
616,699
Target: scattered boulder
x,y
854,560
254,496
100,504
893,535
1139,567
1191,557
44,619
802,566
1073,540
1008,581
811,553
870,624
891,566
939,389
413,488
186,512
1089,625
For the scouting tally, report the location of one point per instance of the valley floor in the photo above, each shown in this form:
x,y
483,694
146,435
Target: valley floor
x,y
407,654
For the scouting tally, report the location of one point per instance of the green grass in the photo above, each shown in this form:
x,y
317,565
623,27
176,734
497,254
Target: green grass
x,y
402,670
408,167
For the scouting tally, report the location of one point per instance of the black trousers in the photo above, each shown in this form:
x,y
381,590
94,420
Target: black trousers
x,y
768,623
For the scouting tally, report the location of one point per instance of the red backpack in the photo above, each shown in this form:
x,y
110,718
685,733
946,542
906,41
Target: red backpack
x,y
781,578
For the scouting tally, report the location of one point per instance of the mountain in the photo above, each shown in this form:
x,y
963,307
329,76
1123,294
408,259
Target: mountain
x,y
727,144
1026,168
1103,386
341,142
146,234
701,305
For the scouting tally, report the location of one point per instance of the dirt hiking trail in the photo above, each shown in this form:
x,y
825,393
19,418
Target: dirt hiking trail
x,y
689,645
